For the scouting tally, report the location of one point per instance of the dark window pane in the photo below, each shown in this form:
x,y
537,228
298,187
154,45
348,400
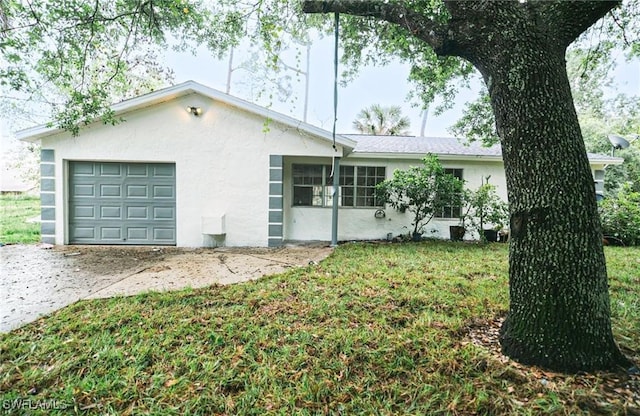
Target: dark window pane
x,y
307,185
302,195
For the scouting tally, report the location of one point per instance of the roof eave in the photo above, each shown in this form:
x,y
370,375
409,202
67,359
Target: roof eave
x,y
35,134
418,156
606,160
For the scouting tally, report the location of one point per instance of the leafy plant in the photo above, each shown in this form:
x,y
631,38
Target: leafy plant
x,y
620,216
485,207
422,190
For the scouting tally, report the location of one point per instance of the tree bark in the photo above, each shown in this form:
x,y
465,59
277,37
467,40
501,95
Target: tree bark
x,y
559,313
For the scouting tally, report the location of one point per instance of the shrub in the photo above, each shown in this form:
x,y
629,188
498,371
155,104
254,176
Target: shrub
x,y
423,191
620,216
486,209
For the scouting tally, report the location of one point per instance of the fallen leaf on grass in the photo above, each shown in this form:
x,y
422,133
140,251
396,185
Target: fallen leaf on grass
x,y
170,382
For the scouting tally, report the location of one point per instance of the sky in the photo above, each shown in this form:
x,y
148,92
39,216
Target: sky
x,y
375,85
386,85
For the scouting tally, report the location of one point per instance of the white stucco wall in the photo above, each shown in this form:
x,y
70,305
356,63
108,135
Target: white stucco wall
x,y
222,168
314,223
221,157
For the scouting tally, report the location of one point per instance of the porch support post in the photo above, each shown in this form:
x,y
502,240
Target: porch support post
x,y
336,195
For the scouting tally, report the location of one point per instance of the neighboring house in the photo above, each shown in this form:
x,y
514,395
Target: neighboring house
x,y
11,179
228,172
12,184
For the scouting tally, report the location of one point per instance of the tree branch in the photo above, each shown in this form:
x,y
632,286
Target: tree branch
x,y
572,18
419,25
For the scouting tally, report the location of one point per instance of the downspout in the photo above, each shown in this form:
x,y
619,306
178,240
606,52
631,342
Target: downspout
x,y
336,195
336,160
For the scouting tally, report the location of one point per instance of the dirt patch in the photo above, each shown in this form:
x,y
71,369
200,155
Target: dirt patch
x,y
38,279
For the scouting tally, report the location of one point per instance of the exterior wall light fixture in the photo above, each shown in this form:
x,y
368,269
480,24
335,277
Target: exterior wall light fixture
x,y
196,111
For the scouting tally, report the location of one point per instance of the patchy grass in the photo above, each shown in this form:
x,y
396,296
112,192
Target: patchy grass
x,y
16,210
374,329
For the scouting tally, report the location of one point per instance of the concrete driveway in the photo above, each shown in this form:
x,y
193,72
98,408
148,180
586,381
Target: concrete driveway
x,y
38,279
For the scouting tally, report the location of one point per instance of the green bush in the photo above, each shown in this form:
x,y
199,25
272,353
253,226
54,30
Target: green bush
x,y
620,216
424,191
486,210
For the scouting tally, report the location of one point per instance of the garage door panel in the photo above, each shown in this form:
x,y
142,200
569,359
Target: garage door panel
x,y
110,169
84,212
83,190
122,203
111,233
164,213
138,213
137,233
84,233
137,191
83,169
163,171
164,234
137,170
163,191
111,190
111,212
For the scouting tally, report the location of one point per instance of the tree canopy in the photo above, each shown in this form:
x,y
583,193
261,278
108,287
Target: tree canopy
x,y
599,115
77,57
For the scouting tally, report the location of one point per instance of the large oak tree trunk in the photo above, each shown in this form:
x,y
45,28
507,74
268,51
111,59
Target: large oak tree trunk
x,y
559,315
559,312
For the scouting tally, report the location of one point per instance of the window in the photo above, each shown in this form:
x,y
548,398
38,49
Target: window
x,y
367,178
598,180
313,185
308,183
451,211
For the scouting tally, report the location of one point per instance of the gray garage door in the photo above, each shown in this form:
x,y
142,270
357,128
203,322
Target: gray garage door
x,y
122,203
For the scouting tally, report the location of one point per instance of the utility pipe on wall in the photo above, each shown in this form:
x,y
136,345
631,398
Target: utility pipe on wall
x,y
334,207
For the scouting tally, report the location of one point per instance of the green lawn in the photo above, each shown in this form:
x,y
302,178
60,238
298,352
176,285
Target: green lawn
x,y
15,211
374,329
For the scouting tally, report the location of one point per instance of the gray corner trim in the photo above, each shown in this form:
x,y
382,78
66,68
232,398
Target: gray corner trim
x,y
276,242
275,216
275,230
275,161
275,202
47,185
47,199
47,155
47,196
275,189
47,170
275,174
48,214
47,228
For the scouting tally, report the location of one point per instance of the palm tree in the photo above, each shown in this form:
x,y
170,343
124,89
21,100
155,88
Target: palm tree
x,y
382,121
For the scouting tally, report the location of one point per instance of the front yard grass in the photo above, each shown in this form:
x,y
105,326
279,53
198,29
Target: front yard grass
x,y
374,329
15,211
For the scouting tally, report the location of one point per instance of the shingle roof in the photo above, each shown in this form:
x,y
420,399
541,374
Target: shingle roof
x,y
449,146
421,145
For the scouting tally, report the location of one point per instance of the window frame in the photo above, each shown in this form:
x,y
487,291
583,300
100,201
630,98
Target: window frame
x,y
348,189
451,212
